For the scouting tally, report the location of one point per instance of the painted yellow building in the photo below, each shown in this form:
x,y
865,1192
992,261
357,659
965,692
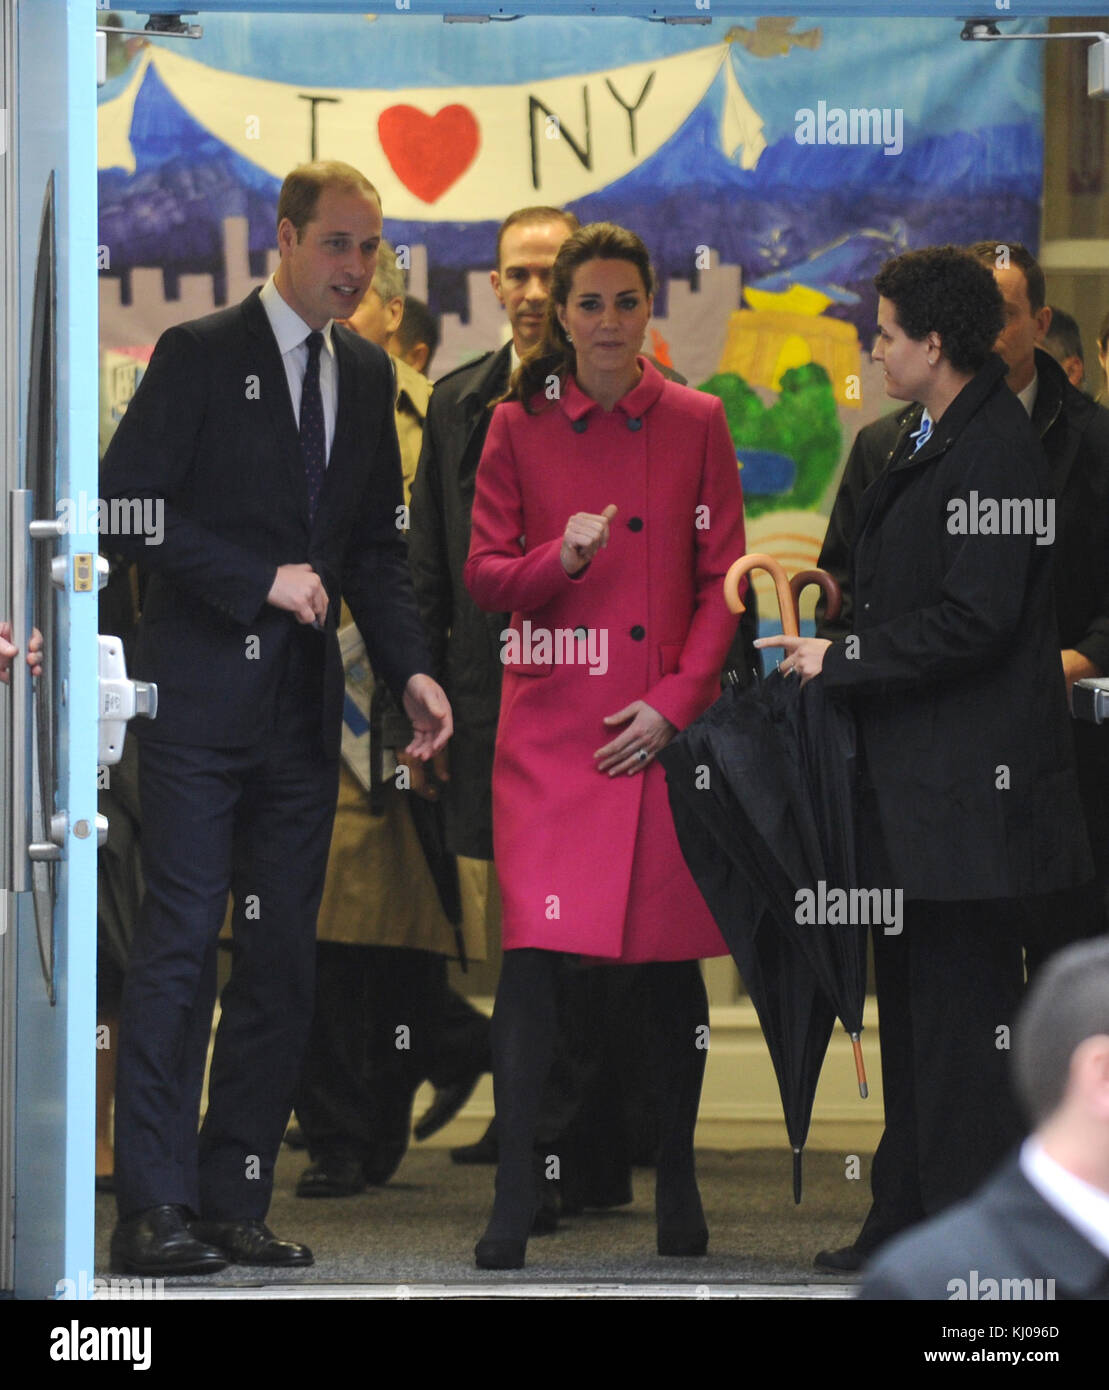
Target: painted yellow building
x,y
764,342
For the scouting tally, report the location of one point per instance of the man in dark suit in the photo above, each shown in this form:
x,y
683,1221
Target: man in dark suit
x,y
1074,434
1039,1228
264,435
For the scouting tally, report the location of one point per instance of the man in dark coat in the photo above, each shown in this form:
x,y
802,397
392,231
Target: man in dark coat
x,y
1074,434
968,798
1039,1229
264,433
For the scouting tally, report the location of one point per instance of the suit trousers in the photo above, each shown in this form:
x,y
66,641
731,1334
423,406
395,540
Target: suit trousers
x,y
948,987
254,821
374,1035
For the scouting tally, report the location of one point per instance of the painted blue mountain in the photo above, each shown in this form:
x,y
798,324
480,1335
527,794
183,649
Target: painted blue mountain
x,y
853,206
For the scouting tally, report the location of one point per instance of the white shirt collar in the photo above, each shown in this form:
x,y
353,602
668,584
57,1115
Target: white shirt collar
x,y
924,432
1027,397
289,328
1084,1206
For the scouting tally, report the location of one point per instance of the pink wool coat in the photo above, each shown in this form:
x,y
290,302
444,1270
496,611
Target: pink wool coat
x,y
590,863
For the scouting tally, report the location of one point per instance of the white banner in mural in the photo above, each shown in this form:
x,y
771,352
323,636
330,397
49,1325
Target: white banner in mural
x,y
439,153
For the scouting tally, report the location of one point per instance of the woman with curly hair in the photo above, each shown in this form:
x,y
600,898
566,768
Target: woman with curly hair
x,y
607,511
968,802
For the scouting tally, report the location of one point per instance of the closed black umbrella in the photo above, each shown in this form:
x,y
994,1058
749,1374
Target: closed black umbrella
x,y
761,788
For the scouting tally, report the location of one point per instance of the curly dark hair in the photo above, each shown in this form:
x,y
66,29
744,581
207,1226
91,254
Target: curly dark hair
x,y
947,291
554,354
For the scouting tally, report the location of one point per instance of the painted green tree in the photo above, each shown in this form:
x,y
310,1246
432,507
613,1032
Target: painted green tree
x,y
802,423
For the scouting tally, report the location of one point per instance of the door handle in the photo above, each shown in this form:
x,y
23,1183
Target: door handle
x,y
121,700
15,866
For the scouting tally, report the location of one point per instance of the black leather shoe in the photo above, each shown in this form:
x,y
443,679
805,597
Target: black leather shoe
x,y
484,1151
445,1105
332,1177
251,1242
158,1241
847,1260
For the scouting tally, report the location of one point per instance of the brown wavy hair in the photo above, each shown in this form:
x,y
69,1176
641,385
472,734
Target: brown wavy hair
x,y
554,355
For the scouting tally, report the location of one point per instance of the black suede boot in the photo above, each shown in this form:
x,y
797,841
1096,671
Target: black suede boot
x,y
523,1033
680,1032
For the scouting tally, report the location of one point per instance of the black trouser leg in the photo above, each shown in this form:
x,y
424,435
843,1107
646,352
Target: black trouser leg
x,y
591,1139
948,987
463,1043
332,1099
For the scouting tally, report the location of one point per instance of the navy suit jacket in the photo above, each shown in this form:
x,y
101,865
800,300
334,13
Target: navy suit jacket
x,y
210,437
1006,1232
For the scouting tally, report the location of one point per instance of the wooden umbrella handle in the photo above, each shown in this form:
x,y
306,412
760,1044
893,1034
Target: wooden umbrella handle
x,y
832,593
744,565
860,1066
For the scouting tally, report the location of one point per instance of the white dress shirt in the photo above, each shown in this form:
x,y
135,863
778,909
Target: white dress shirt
x,y
1027,397
1085,1207
291,333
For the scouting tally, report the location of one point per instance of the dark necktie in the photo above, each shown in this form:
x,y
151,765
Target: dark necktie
x,y
313,435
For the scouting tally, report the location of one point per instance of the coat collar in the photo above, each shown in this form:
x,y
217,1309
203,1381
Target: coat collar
x,y
576,405
491,380
988,380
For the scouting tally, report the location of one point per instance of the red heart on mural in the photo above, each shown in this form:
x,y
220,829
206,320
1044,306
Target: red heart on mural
x,y
428,153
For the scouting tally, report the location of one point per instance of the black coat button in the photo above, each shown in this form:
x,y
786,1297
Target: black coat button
x,y
635,523
638,633
634,424
578,426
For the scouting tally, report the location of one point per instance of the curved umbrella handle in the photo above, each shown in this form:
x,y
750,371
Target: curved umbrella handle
x,y
832,594
757,561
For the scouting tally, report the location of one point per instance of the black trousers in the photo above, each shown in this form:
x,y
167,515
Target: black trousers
x,y
385,1020
948,988
256,822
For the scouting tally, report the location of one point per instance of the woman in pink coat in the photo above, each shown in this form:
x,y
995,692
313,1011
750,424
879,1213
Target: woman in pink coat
x,y
606,514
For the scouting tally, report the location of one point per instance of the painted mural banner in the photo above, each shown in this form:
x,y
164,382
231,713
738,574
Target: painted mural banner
x,y
771,168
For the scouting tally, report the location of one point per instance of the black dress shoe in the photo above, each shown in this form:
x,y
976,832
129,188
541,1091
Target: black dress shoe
x,y
849,1259
332,1177
445,1105
484,1151
251,1242
158,1241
